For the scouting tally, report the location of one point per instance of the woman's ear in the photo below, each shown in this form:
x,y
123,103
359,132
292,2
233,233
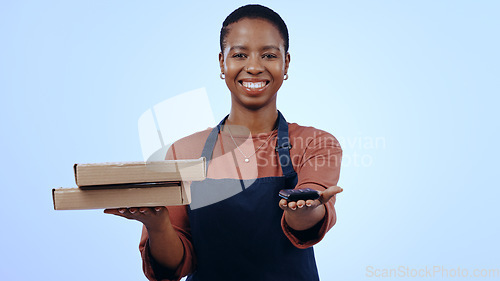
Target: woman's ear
x,y
221,62
287,62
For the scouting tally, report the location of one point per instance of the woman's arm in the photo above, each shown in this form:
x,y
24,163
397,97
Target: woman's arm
x,y
164,244
318,168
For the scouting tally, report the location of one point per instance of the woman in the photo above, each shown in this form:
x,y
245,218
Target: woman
x,y
244,231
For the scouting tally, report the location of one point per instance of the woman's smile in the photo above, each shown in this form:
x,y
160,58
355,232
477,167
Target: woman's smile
x,y
254,86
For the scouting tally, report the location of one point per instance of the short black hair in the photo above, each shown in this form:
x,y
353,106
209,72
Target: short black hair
x,y
254,11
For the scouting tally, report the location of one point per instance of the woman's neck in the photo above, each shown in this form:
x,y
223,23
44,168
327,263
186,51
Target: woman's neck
x,y
259,121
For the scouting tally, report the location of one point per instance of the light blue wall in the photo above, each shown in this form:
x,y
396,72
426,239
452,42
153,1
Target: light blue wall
x,y
409,88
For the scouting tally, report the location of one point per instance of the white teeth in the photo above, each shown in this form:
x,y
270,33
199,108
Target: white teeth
x,y
253,85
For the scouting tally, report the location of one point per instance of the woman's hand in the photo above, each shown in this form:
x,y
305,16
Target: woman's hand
x,y
302,215
165,246
153,218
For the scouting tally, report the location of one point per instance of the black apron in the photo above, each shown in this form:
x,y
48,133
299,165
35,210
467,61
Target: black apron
x,y
240,237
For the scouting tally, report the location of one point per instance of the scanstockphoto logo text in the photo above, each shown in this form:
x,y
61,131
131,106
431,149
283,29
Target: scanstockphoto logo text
x,y
357,151
436,271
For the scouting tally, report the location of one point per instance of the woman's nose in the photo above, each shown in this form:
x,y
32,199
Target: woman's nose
x,y
254,65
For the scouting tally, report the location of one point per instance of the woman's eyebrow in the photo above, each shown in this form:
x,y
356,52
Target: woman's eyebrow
x,y
271,47
238,47
265,48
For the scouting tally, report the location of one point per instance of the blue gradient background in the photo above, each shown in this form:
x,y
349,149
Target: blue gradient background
x,y
420,77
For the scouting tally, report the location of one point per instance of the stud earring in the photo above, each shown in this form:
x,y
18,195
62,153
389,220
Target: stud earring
x,y
222,76
286,76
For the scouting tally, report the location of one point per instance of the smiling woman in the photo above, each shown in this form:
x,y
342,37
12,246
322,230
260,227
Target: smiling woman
x,y
236,227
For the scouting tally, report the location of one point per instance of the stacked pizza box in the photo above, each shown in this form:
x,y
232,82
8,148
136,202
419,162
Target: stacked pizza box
x,y
130,184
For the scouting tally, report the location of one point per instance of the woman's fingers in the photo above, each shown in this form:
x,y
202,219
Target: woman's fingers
x,y
118,212
310,202
328,193
111,211
325,196
151,217
299,205
135,212
283,204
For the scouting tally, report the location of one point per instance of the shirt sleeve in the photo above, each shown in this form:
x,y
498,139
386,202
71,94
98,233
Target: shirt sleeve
x,y
318,169
155,271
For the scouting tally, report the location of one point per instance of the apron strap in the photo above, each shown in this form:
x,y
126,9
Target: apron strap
x,y
283,147
208,149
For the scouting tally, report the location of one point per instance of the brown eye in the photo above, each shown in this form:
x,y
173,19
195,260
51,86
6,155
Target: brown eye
x,y
239,55
269,56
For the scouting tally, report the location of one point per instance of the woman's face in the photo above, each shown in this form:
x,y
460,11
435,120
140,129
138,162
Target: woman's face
x,y
254,62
